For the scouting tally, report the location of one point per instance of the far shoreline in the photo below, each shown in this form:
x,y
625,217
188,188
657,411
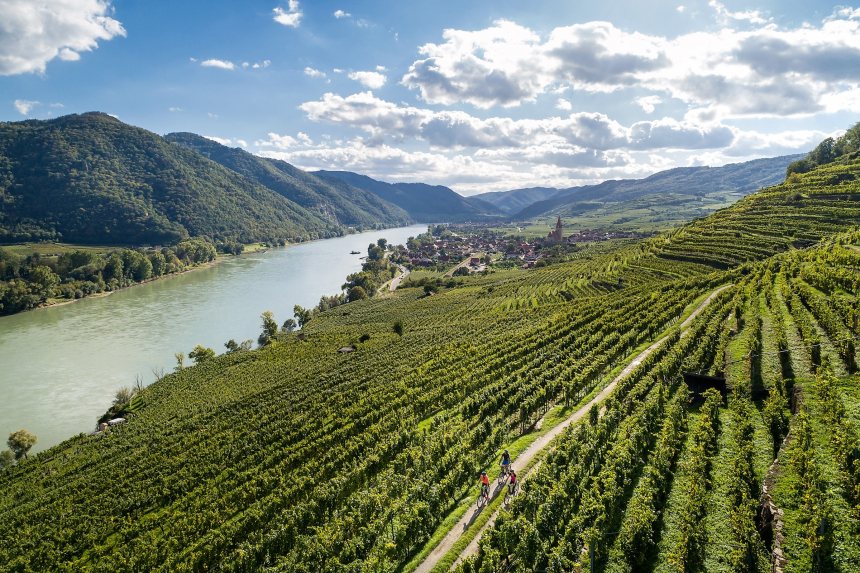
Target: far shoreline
x,y
220,258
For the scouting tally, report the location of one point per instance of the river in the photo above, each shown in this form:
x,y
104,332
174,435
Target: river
x,y
60,366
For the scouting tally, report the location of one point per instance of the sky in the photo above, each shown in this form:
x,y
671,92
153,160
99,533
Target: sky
x,y
478,95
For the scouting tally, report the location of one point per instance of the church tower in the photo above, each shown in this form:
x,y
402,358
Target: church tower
x,y
556,236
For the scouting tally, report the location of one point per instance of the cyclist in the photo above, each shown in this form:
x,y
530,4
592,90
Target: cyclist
x,y
485,485
512,485
506,462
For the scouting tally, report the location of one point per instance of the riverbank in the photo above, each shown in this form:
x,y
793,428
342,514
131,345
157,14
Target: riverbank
x,y
53,303
75,357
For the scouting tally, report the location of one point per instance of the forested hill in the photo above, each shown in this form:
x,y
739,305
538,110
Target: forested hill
x,y
514,201
696,184
90,178
297,458
334,201
426,203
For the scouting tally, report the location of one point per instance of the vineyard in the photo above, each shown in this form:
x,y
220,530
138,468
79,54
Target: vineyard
x,y
297,458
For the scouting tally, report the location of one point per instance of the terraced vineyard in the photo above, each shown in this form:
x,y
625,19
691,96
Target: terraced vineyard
x,y
298,458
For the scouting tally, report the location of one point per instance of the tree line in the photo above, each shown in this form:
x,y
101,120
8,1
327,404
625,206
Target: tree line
x,y
30,281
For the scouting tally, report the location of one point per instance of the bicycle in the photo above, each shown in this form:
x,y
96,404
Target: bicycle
x,y
512,491
484,496
504,473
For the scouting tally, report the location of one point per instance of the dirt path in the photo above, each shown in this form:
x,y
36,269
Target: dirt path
x,y
395,282
538,445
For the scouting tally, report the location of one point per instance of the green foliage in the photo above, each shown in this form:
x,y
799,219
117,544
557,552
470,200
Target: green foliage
x,y
7,459
270,328
356,293
20,442
330,203
27,282
299,458
828,151
201,354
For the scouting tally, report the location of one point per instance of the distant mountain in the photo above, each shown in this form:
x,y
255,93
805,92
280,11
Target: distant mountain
x,y
681,193
510,202
426,203
334,201
90,178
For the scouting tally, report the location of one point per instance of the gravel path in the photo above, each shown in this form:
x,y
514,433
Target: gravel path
x,y
536,447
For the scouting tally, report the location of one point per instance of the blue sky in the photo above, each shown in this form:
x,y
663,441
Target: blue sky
x,y
480,95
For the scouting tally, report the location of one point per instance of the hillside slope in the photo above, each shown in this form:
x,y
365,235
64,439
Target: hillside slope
x,y
425,203
334,201
694,191
514,201
298,458
90,178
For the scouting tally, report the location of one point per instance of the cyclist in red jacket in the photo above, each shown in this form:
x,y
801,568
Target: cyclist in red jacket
x,y
485,485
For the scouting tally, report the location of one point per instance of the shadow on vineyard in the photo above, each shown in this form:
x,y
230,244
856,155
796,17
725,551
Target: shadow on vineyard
x,y
296,458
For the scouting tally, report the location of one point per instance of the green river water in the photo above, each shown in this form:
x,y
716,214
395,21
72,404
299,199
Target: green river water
x,y
60,366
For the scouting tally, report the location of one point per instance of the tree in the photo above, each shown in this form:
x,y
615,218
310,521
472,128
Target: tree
x,y
180,360
231,346
356,293
289,325
44,277
303,315
7,459
20,443
201,354
158,262
398,328
382,244
374,252
270,328
113,268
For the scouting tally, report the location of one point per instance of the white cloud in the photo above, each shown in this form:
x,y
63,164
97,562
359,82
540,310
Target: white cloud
x,y
751,16
381,69
760,70
174,109
341,14
256,65
383,120
289,17
648,103
373,80
220,64
563,104
680,8
34,33
314,73
499,65
277,141
227,141
221,140
24,106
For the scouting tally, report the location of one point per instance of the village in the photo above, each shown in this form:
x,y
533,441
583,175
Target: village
x,y
452,248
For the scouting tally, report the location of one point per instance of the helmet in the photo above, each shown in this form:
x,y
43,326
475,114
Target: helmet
x,y
506,451
483,473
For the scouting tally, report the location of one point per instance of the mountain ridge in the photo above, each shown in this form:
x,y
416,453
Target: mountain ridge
x,y
335,202
92,179
424,202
